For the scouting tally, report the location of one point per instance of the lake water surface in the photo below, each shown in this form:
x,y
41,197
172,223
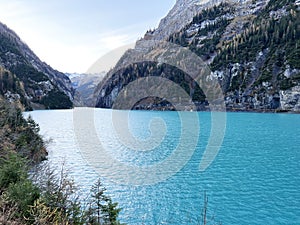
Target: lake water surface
x,y
254,179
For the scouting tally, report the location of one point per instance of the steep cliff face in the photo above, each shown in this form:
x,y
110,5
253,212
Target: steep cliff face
x,y
251,47
180,15
262,61
43,85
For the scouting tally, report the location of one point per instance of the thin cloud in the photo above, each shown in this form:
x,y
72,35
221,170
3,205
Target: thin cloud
x,y
112,42
71,36
13,9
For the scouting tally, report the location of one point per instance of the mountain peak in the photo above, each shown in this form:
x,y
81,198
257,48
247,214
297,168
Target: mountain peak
x,y
251,47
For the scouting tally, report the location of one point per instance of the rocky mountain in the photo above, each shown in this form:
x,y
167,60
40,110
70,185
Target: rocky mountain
x,y
252,48
181,14
84,86
42,86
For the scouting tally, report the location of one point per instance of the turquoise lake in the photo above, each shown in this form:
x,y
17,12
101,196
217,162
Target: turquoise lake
x,y
254,178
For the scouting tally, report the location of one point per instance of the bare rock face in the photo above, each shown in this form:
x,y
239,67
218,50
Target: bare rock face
x,y
182,13
290,99
239,40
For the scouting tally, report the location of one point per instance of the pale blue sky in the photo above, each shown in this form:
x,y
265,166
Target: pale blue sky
x,y
71,35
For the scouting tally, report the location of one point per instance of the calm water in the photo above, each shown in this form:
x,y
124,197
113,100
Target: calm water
x,y
255,178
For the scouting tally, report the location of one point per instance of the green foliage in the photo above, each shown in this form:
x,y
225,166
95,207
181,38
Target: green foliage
x,y
20,145
49,197
294,54
24,79
183,38
59,196
24,194
262,34
27,73
208,46
15,184
265,76
12,170
11,116
53,99
59,192
278,38
9,82
46,197
147,69
29,143
275,5
21,135
7,45
212,13
286,84
101,209
30,77
111,213
56,100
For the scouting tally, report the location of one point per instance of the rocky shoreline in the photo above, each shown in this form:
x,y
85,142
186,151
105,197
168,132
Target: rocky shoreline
x,y
189,108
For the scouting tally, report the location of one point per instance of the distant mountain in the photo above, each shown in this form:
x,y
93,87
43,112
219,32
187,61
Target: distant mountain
x,y
42,86
84,86
251,46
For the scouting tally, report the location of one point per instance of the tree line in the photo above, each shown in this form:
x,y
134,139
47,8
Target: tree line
x,y
33,193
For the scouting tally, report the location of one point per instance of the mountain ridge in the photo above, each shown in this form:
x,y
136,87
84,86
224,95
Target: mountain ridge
x,y
244,58
44,86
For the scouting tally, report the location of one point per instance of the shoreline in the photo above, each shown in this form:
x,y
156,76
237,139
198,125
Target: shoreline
x,y
235,110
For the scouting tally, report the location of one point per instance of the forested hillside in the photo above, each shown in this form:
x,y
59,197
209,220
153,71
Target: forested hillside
x,y
42,86
251,47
